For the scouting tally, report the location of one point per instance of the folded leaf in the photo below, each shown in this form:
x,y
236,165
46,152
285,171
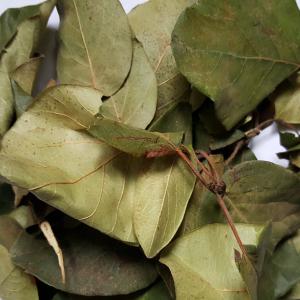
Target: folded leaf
x,y
152,24
11,19
202,208
178,117
95,44
132,140
45,151
113,268
22,100
25,75
17,52
281,271
135,103
237,54
160,211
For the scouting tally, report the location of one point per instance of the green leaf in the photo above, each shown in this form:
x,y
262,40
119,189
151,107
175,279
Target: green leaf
x,y
157,292
251,198
271,274
237,54
287,99
25,74
292,143
134,141
294,294
9,231
203,262
24,215
19,51
7,103
196,99
135,103
21,98
226,140
158,216
289,139
178,117
152,24
281,271
246,154
48,152
112,267
95,44
11,19
14,283
210,134
202,208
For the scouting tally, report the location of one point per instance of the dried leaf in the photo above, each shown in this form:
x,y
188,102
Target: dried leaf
x,y
90,188
25,75
208,271
95,44
157,218
287,99
131,140
14,283
19,194
152,24
49,235
18,52
94,264
135,103
237,54
252,198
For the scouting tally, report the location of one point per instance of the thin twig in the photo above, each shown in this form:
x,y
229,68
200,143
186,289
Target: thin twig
x,y
239,145
219,199
188,162
212,166
256,131
201,165
248,135
230,222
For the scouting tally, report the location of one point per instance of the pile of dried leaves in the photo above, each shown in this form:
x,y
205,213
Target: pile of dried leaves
x,y
130,175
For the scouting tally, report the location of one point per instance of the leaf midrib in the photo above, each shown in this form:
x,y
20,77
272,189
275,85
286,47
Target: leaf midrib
x,y
258,58
93,77
161,209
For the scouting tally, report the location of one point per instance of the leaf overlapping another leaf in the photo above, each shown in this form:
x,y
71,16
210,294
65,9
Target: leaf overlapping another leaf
x,y
25,32
95,44
237,54
152,23
118,140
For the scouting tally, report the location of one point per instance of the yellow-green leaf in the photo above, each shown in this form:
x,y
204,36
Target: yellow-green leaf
x,y
203,265
158,215
152,23
95,44
135,103
48,153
